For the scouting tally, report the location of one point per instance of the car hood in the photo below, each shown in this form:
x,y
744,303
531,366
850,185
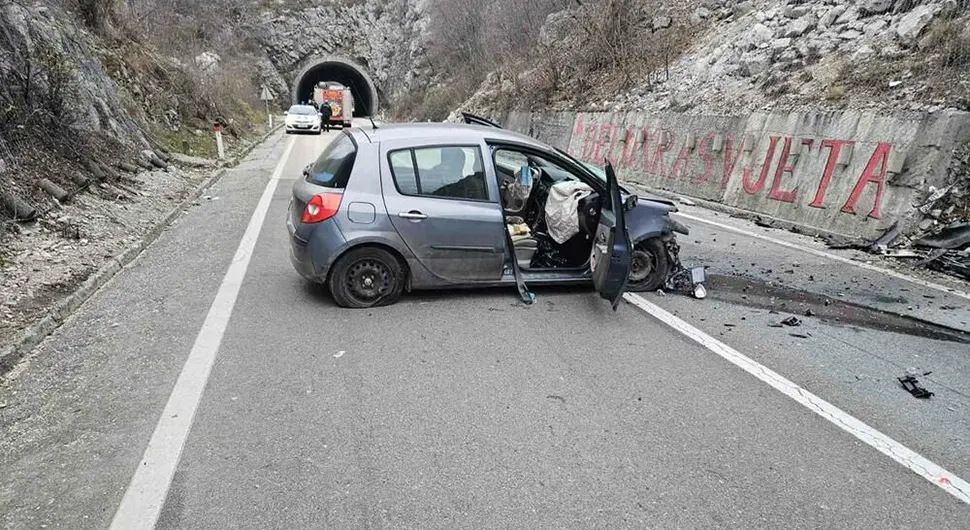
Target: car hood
x,y
670,205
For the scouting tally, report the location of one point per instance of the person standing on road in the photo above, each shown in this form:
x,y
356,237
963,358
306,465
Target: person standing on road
x,y
325,113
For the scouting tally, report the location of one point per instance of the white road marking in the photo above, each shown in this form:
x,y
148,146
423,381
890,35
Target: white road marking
x,y
143,500
830,256
932,472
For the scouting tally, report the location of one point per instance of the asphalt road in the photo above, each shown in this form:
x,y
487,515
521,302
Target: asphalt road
x,y
467,409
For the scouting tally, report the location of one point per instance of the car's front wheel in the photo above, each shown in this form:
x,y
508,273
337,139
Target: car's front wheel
x,y
367,277
650,266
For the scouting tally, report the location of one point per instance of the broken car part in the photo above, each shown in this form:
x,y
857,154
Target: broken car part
x,y
911,384
955,236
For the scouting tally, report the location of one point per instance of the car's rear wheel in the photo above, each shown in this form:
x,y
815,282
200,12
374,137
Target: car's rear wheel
x,y
367,277
650,266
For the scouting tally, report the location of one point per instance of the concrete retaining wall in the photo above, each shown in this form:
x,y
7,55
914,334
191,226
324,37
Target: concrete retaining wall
x,y
852,173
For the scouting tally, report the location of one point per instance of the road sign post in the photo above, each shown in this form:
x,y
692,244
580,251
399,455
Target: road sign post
x,y
267,96
219,147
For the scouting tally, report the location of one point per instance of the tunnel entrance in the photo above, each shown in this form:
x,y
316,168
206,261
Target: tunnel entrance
x,y
343,71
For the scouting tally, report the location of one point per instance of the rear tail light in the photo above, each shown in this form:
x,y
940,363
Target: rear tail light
x,y
321,207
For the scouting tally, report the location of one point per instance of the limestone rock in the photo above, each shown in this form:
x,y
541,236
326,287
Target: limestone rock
x,y
207,61
913,23
801,26
754,63
877,6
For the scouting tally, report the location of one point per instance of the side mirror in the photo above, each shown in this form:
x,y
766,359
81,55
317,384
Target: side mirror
x,y
630,203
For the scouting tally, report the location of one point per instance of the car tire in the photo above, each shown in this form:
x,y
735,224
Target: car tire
x,y
367,277
649,267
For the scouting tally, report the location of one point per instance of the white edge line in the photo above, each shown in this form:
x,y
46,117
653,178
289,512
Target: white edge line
x,y
824,254
916,463
142,502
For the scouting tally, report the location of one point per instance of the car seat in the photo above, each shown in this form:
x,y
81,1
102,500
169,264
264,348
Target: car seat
x,y
525,247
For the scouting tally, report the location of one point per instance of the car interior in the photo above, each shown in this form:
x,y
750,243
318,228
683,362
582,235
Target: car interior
x,y
527,182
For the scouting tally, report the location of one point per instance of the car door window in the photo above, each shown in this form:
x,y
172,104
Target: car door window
x,y
405,177
448,172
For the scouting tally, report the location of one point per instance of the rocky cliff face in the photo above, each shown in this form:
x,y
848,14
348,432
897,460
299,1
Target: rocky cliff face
x,y
386,38
831,54
47,62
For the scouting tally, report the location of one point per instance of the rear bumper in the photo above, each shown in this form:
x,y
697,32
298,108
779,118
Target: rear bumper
x,y
312,257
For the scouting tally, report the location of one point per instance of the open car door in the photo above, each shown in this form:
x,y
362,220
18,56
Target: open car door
x,y
610,258
472,119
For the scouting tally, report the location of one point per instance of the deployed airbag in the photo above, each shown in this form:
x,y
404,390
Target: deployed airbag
x,y
562,209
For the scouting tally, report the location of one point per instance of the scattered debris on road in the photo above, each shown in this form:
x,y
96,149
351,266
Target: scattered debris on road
x,y
339,354
911,385
686,280
791,322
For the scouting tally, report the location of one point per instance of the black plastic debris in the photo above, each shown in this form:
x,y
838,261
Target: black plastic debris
x,y
791,322
952,262
911,384
682,279
887,239
842,242
955,236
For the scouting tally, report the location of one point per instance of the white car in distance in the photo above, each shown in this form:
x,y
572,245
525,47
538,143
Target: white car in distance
x,y
303,118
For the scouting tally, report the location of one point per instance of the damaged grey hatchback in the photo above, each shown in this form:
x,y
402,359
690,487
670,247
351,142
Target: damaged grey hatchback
x,y
433,206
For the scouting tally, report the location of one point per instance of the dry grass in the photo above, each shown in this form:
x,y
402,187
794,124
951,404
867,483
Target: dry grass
x,y
937,72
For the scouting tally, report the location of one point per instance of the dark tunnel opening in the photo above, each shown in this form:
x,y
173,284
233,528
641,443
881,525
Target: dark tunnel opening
x,y
345,73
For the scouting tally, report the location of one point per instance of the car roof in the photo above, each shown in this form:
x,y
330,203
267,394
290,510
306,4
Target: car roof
x,y
448,133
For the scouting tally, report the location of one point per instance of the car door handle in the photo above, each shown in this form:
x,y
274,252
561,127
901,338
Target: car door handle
x,y
413,214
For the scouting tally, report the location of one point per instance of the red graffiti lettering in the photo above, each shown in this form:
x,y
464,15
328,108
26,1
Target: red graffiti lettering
x,y
630,148
707,157
589,145
729,161
646,150
823,185
658,156
757,186
682,164
598,132
614,134
881,159
783,167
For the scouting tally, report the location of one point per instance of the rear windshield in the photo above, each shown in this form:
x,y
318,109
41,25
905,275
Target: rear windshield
x,y
333,168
